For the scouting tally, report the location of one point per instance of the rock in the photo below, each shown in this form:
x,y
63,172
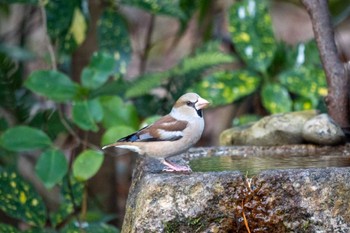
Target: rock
x,y
292,200
277,129
322,130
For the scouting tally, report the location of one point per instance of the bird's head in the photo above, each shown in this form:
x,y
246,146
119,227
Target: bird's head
x,y
190,104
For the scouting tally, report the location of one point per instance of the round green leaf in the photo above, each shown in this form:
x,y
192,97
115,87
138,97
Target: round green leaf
x,y
225,87
52,84
19,200
51,167
87,164
116,112
276,99
114,133
23,138
97,73
86,113
251,31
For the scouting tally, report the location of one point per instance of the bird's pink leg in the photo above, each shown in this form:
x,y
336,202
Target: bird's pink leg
x,y
172,167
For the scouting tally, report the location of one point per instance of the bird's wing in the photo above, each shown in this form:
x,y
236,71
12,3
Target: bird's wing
x,y
165,129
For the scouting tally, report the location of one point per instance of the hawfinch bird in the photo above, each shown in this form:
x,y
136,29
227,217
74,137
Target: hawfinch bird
x,y
171,135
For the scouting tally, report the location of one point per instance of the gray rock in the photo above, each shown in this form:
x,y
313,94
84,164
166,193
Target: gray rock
x,y
292,200
277,129
322,130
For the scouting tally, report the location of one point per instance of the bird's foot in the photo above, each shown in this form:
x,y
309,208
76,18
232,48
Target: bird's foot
x,y
171,167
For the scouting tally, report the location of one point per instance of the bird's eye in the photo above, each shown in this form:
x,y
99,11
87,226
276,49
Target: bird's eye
x,y
189,103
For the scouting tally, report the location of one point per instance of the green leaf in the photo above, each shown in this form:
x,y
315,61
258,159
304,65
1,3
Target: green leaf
x,y
87,164
66,24
189,8
189,67
164,7
8,228
37,230
86,113
145,83
23,138
97,73
303,103
305,81
116,87
201,62
307,54
245,119
112,27
10,81
116,112
70,191
114,133
52,84
225,87
48,119
19,200
276,99
51,167
251,31
95,227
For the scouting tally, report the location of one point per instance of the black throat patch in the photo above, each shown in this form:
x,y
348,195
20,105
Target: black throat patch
x,y
199,112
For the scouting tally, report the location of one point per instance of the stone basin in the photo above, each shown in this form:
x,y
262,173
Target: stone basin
x,y
290,189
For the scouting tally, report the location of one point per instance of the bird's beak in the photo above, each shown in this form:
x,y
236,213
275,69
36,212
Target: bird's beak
x,y
201,103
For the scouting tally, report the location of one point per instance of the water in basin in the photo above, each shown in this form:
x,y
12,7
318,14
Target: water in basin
x,y
252,165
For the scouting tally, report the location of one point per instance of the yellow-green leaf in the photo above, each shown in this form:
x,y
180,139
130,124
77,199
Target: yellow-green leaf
x,y
19,200
225,87
275,98
87,164
251,31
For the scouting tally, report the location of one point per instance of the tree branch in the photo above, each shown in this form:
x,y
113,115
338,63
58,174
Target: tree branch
x,y
337,78
148,40
47,38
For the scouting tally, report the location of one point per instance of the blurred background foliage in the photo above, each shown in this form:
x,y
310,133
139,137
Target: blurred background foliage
x,y
76,75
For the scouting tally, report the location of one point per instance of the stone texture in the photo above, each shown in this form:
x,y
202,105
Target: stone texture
x,y
277,129
293,200
322,130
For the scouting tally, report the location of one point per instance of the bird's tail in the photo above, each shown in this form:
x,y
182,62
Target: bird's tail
x,y
124,145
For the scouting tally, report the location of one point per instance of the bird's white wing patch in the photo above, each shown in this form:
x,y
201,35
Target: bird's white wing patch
x,y
170,135
130,147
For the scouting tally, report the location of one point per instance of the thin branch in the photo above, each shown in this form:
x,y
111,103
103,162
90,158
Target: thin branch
x,y
74,134
48,41
337,79
148,41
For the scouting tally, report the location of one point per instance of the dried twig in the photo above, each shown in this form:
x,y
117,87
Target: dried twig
x,y
244,218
